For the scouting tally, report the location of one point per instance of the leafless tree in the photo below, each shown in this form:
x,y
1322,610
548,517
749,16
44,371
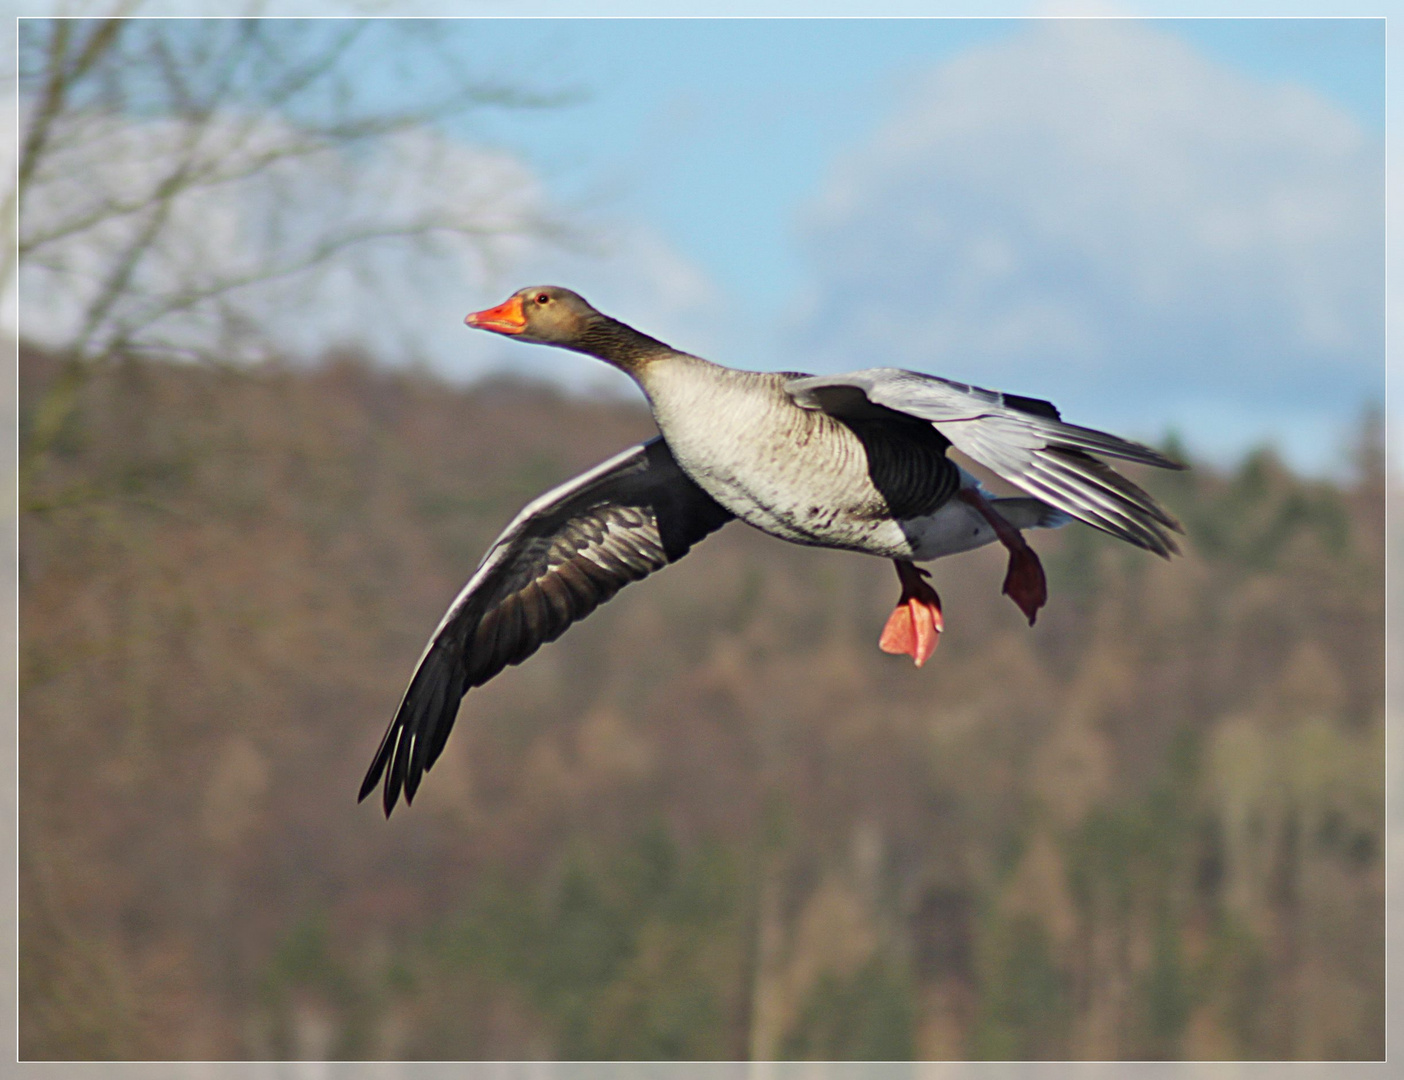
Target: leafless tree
x,y
177,180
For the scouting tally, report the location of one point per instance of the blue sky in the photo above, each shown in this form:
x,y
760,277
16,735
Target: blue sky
x,y
722,141
682,116
1158,224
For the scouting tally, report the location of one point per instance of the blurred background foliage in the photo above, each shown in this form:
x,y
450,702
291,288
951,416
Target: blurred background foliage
x,y
714,821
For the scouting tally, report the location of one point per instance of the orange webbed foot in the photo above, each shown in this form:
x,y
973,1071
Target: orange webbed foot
x,y
914,627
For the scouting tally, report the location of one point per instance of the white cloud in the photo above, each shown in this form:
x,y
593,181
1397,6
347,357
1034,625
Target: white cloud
x,y
1094,212
399,298
255,210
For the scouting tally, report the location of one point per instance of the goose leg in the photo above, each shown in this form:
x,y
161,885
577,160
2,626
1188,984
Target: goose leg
x,y
1024,582
915,625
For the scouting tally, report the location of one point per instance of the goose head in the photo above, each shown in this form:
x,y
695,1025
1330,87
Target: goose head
x,y
542,314
551,315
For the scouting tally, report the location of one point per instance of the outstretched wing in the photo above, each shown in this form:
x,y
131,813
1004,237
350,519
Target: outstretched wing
x,y
1023,440
563,556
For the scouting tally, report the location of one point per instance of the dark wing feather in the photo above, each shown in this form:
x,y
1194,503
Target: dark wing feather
x,y
1023,440
563,556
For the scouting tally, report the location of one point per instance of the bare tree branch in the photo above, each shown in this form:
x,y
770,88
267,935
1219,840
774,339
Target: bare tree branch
x,y
59,81
328,248
135,132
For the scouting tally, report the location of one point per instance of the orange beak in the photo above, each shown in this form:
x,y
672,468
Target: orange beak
x,y
506,318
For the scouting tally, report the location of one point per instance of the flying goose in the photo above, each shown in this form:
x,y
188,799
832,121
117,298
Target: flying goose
x,y
855,461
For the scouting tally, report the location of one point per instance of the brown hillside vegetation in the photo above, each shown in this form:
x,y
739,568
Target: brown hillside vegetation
x,y
713,821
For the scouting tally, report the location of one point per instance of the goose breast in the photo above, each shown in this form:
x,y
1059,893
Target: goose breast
x,y
795,473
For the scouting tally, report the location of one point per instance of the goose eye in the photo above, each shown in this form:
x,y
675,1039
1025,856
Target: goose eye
x,y
542,298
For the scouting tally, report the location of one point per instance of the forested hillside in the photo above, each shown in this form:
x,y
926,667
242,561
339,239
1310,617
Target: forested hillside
x,y
712,821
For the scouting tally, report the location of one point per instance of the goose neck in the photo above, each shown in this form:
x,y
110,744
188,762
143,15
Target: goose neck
x,y
619,344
